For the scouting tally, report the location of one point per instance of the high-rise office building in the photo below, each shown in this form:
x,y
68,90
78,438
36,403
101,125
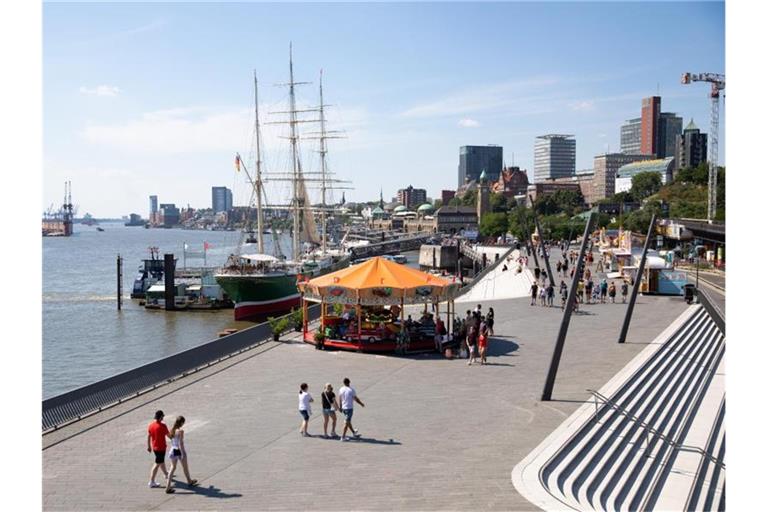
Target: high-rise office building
x,y
152,206
475,159
221,199
630,136
411,197
554,156
670,128
649,125
691,147
606,167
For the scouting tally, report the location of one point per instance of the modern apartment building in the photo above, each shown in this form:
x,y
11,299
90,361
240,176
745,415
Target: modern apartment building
x,y
554,156
475,159
606,167
221,199
411,197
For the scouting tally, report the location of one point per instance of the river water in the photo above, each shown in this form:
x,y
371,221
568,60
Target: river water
x,y
85,338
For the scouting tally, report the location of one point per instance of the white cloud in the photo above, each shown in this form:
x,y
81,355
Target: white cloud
x,y
582,105
479,99
468,123
101,90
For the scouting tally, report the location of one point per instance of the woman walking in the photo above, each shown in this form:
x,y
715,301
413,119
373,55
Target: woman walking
x,y
482,340
612,292
489,321
330,406
304,408
178,453
471,342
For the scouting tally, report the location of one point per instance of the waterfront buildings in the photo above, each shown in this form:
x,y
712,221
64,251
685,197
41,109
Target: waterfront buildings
x,y
663,166
221,199
691,147
512,182
554,156
606,167
547,187
630,136
411,197
475,159
168,215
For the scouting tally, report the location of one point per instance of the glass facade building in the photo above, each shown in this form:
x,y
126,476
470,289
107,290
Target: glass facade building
x,y
554,156
473,160
670,128
221,199
630,136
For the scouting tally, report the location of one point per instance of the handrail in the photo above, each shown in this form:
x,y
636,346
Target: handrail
x,y
712,309
647,428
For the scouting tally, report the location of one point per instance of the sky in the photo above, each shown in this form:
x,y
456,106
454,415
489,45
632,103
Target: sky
x,y
156,99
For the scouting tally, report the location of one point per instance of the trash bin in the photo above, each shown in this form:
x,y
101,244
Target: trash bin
x,y
689,291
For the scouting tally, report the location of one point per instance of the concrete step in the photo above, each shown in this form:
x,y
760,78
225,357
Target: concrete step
x,y
586,449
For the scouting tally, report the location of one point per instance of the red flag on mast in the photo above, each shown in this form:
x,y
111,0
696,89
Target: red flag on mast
x,y
206,246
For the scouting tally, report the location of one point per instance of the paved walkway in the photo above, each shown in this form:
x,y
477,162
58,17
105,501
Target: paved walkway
x,y
437,434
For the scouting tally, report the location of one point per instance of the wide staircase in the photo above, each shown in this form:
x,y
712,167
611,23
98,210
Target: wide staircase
x,y
658,441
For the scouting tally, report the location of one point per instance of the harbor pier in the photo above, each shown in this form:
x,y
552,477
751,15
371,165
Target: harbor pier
x,y
436,433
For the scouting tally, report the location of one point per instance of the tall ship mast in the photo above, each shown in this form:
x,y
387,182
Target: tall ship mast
x,y
260,283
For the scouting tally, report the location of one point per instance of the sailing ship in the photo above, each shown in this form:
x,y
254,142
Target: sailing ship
x,y
260,283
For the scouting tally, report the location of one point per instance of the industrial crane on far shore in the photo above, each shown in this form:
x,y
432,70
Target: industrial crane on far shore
x,y
718,84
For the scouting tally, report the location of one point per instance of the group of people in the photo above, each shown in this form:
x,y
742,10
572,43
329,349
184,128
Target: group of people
x,y
344,403
475,330
157,433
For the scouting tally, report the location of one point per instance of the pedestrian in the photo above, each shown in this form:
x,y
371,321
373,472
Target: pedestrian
x,y
596,294
482,340
543,276
305,410
565,264
588,287
347,399
559,267
587,274
156,434
330,406
537,273
612,292
563,293
599,267
471,342
478,311
550,294
542,296
534,293
580,289
624,290
178,453
603,290
489,320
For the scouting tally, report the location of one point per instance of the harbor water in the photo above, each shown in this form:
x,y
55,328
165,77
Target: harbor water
x,y
85,338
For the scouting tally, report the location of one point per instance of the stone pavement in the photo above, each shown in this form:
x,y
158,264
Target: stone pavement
x,y
437,434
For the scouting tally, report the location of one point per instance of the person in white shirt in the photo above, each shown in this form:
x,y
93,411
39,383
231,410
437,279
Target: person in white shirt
x,y
304,408
347,399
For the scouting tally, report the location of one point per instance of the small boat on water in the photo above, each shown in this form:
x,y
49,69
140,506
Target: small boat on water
x,y
99,229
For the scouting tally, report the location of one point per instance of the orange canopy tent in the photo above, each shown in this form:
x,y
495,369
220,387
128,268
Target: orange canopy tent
x,y
378,281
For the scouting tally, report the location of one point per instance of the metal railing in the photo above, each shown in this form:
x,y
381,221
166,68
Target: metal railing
x,y
649,429
84,401
714,312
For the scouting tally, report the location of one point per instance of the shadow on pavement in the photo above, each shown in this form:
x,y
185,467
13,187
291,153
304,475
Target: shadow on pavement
x,y
208,492
371,440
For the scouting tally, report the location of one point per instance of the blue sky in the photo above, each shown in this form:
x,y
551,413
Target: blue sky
x,y
144,99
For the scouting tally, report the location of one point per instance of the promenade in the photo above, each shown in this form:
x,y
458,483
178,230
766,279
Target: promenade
x,y
436,434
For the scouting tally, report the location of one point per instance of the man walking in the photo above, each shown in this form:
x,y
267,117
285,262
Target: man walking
x,y
624,290
348,397
156,434
534,292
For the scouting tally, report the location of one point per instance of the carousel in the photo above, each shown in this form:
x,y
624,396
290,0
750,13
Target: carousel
x,y
363,308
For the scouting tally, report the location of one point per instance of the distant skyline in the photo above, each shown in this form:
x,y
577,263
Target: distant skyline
x,y
143,99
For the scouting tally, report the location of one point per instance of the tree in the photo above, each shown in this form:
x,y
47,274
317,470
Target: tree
x,y
645,184
469,198
437,204
499,203
698,175
493,224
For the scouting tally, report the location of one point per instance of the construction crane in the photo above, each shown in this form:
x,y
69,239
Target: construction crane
x,y
718,84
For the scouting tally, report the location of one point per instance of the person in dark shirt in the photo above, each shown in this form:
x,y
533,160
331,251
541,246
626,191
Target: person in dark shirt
x,y
330,406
